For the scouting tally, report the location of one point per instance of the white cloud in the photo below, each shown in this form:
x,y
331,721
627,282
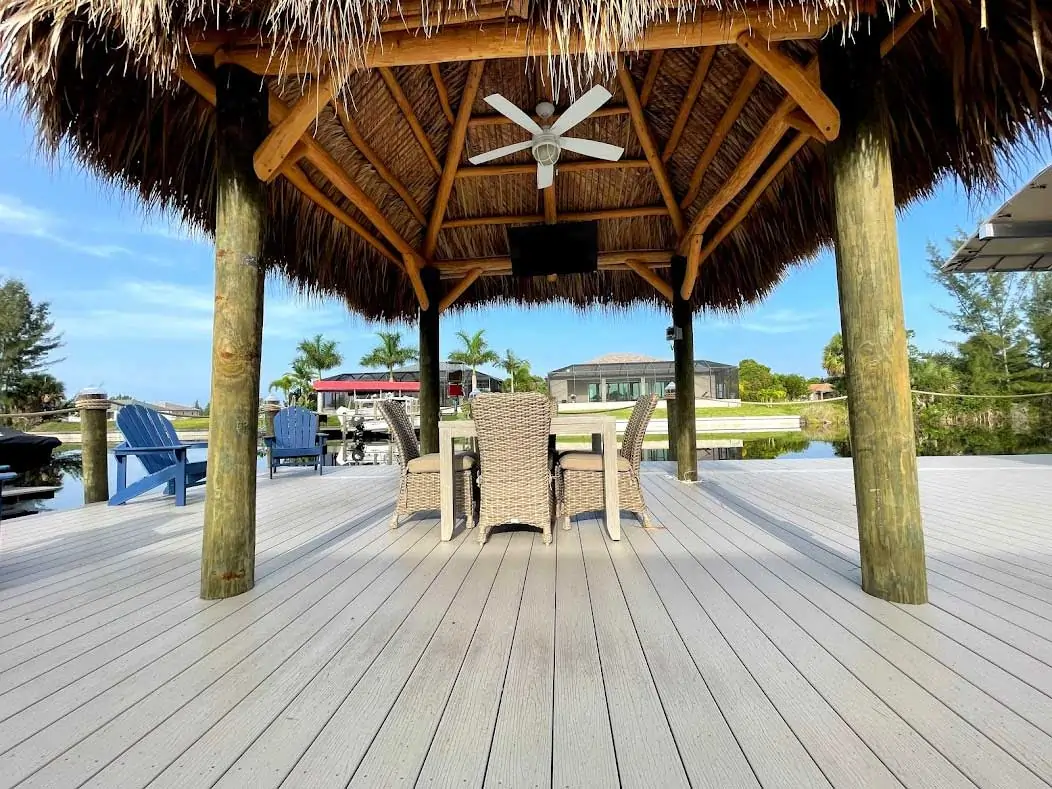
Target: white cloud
x,y
20,219
780,321
161,310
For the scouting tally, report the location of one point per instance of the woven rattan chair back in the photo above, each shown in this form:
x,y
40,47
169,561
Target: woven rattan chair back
x,y
635,432
402,433
514,475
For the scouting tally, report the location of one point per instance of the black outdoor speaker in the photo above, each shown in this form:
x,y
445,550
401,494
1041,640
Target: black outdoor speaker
x,y
562,248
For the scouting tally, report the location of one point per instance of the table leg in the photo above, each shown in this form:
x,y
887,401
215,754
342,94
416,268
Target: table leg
x,y
610,492
445,480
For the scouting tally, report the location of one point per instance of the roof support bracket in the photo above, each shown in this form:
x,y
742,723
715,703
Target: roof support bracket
x,y
275,149
796,80
690,276
651,276
458,289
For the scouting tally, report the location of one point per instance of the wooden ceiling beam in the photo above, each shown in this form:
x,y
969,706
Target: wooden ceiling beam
x,y
489,171
730,116
454,151
801,121
292,171
355,134
753,195
406,107
761,148
295,175
443,93
499,40
567,216
653,67
796,80
639,121
414,20
550,213
496,119
458,289
689,100
651,276
690,275
272,151
792,120
501,266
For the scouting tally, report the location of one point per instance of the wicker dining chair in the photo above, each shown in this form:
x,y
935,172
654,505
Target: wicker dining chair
x,y
419,486
515,480
579,477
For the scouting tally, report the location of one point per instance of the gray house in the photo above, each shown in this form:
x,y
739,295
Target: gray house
x,y
626,376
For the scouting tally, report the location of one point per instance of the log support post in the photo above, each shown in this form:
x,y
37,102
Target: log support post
x,y
867,261
93,407
229,541
686,438
430,394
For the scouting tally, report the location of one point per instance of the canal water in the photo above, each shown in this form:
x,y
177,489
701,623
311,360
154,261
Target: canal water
x,y
65,470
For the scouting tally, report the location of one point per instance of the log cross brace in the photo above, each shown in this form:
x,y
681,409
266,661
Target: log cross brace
x,y
795,80
275,149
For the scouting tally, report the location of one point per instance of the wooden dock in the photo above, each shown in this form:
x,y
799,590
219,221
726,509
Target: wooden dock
x,y
733,647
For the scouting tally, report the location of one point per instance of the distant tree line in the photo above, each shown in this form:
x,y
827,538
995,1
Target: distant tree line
x,y
758,384
1006,323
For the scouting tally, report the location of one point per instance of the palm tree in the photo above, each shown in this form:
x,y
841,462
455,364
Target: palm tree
x,y
390,353
474,354
285,384
511,364
833,360
319,355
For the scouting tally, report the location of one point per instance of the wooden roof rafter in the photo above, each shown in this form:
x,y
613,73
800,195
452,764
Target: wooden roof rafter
x,y
568,216
657,166
493,170
689,100
409,113
650,79
497,41
454,151
204,87
785,117
353,132
730,116
501,265
443,92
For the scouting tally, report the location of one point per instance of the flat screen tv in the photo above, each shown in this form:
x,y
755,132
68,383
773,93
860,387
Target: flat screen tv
x,y
562,248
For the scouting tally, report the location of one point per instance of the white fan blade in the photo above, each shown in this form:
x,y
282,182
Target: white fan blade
x,y
513,113
545,176
496,153
593,148
581,109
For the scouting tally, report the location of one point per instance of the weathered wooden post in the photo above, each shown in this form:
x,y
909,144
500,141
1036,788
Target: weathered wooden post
x,y
671,423
93,407
871,314
229,545
683,354
430,394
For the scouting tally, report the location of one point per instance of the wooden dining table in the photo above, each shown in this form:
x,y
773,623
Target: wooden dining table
x,y
602,425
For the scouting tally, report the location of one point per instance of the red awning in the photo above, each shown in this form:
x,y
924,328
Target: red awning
x,y
366,386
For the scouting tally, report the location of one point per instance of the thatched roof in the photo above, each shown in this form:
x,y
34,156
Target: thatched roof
x,y
103,76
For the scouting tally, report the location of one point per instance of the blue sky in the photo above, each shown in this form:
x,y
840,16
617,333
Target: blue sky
x,y
132,293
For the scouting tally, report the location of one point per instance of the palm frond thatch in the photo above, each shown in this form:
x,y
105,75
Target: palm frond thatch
x,y
101,76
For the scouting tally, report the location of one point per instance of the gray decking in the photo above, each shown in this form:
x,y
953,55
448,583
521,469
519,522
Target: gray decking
x,y
731,648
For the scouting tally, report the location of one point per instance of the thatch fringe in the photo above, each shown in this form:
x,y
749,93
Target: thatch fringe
x,y
98,76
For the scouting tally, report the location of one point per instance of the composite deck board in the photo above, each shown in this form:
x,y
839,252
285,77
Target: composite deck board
x,y
732,647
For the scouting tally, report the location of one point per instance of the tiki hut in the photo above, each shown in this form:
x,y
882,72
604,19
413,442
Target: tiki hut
x,y
330,142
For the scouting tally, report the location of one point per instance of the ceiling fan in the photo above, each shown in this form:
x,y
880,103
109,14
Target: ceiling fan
x,y
548,141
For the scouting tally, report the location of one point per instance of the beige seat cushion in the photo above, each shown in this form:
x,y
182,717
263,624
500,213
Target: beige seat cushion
x,y
428,464
589,461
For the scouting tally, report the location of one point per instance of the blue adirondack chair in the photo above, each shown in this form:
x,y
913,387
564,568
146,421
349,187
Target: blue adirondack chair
x,y
295,436
152,439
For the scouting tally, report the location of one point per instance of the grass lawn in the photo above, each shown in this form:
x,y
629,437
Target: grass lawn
x,y
195,423
745,409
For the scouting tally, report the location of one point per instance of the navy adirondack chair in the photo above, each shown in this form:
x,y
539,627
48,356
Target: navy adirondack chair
x,y
295,436
152,439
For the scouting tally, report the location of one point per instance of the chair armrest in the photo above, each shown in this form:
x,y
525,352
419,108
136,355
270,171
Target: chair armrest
x,y
195,444
147,450
7,476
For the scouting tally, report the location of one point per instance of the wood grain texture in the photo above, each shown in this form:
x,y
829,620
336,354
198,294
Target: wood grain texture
x,y
874,329
409,114
689,100
229,538
646,140
733,646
